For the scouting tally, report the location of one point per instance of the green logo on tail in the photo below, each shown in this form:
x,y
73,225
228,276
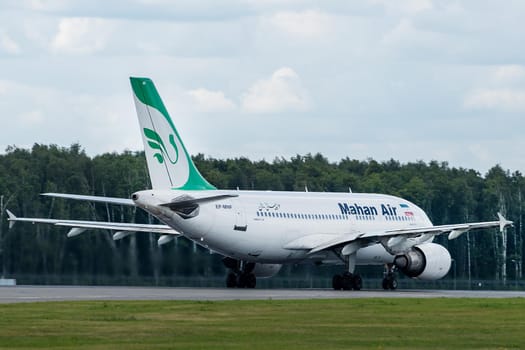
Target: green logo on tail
x,y
156,143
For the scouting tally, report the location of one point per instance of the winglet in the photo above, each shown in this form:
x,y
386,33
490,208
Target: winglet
x,y
11,218
503,222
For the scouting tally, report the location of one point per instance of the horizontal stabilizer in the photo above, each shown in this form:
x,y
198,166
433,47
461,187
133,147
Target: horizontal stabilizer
x,y
103,225
188,202
100,199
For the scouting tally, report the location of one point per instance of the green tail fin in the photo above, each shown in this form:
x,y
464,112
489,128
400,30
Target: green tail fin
x,y
169,164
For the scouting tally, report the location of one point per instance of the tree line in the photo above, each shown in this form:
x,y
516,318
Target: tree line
x,y
447,194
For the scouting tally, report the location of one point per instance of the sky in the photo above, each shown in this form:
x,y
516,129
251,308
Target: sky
x,y
408,79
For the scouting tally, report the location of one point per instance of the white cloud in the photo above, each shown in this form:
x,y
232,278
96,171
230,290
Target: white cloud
x,y
31,118
38,32
405,6
509,73
282,91
45,5
502,88
439,62
82,35
403,30
211,101
406,35
504,99
307,24
86,118
8,45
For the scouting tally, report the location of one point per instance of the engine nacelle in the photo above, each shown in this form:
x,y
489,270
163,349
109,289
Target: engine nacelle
x,y
429,261
266,270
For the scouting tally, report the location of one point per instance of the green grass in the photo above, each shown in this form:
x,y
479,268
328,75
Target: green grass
x,y
271,324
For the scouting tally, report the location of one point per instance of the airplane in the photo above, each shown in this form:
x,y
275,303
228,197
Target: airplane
x,y
258,231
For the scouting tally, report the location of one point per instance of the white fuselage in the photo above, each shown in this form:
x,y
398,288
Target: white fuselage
x,y
259,226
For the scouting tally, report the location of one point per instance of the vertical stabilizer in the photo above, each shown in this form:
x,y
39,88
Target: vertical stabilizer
x,y
169,164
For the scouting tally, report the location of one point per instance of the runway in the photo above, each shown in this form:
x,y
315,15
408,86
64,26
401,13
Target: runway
x,y
17,294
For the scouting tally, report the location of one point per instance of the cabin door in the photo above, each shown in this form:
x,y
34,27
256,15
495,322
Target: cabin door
x,y
240,216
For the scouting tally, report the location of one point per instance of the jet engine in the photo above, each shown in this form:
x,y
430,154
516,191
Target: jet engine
x,y
266,270
429,261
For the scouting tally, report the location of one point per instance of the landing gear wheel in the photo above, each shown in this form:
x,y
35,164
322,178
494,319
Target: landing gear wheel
x,y
251,281
241,281
231,280
393,284
357,282
240,273
389,282
337,282
389,279
348,281
246,280
385,284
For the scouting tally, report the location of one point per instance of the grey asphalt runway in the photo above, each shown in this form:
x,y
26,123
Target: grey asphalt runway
x,y
18,294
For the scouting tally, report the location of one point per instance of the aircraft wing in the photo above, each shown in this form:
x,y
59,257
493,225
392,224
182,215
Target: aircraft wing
x,y
394,237
81,226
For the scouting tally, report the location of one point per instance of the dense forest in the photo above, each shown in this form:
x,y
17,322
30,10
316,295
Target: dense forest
x,y
43,254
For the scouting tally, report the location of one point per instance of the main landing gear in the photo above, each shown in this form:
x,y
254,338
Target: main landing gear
x,y
241,274
348,280
389,278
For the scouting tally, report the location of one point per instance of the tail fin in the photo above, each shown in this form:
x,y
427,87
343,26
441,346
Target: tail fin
x,y
169,164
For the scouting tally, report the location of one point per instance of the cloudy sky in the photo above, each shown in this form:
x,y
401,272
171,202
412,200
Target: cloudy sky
x,y
407,79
